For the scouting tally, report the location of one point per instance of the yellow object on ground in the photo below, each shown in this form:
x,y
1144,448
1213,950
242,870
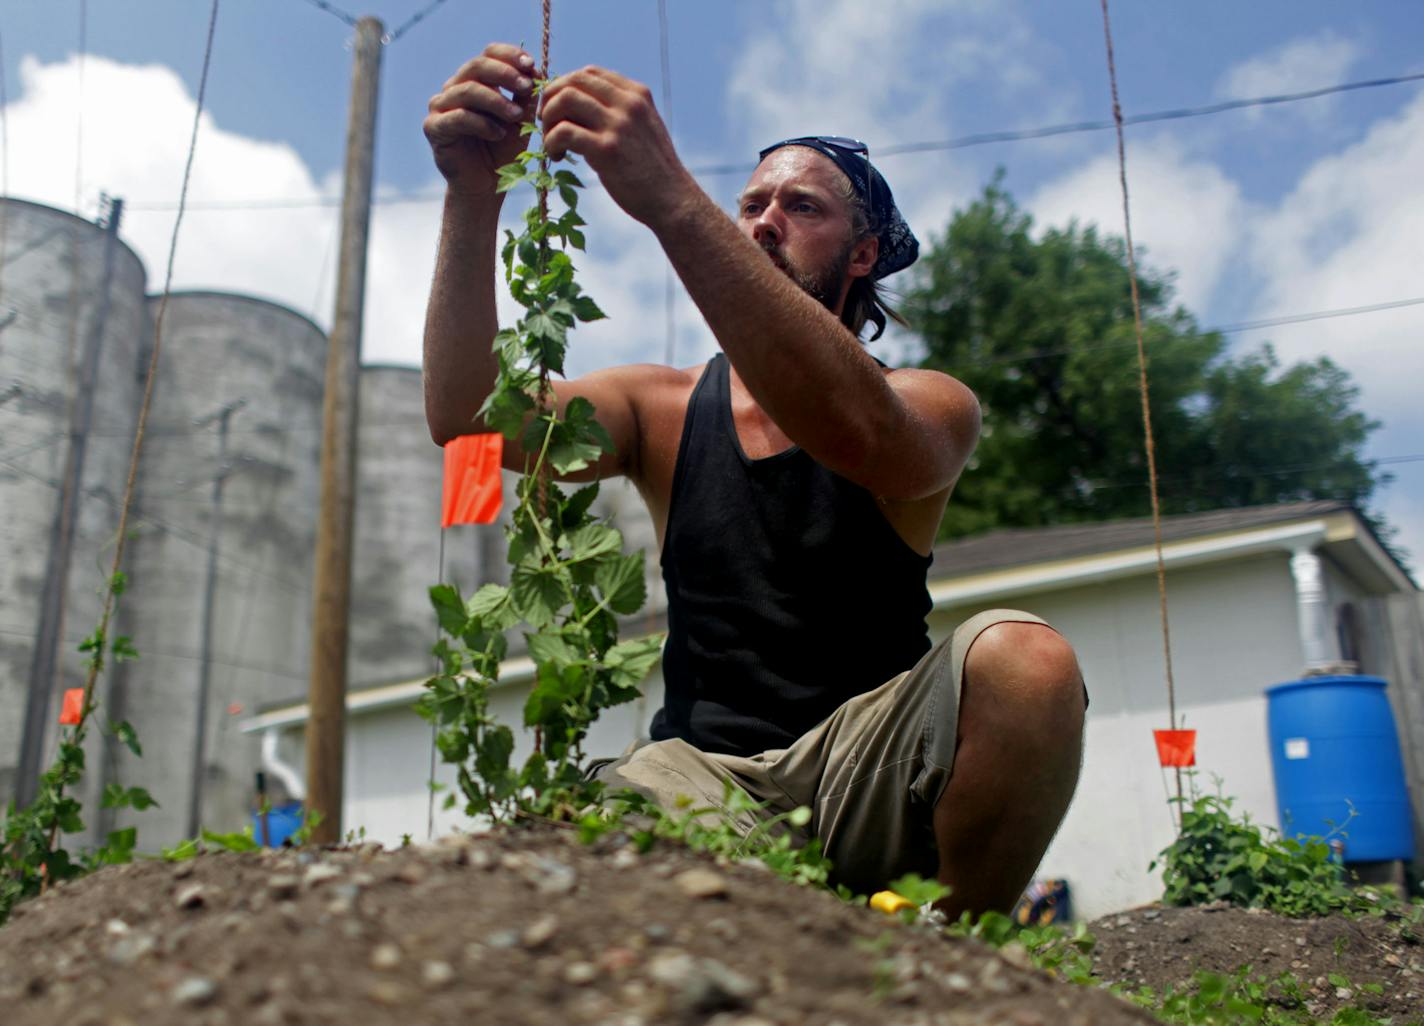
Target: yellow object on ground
x,y
889,902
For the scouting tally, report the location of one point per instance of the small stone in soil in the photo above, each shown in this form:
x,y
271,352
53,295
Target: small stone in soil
x,y
386,992
282,886
540,932
701,984
502,939
129,949
580,973
701,883
320,873
195,990
624,858
437,974
385,956
190,897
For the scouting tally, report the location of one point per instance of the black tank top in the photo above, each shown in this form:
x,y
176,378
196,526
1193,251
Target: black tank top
x,y
788,590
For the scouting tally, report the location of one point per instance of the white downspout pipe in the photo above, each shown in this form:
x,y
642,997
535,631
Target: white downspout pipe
x,y
1312,608
279,769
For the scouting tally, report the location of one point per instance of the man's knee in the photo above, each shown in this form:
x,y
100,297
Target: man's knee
x,y
1026,663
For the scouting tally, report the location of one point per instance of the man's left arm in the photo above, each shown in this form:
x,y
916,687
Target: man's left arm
x,y
902,436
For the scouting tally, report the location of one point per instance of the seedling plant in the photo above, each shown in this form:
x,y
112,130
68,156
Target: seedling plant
x,y
32,854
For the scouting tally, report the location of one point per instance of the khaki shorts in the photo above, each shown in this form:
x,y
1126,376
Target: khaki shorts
x,y
871,772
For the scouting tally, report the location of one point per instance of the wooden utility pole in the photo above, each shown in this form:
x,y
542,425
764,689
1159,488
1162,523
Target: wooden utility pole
x,y
326,697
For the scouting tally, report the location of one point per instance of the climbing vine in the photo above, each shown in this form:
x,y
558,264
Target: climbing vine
x,y
32,854
570,578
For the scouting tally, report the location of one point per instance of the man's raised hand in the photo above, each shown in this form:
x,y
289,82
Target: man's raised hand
x,y
473,124
611,122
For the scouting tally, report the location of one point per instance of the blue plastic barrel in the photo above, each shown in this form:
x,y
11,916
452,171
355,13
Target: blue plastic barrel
x,y
1334,748
282,822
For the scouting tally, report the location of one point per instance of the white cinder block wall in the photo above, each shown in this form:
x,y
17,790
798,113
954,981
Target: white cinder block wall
x,y
1233,635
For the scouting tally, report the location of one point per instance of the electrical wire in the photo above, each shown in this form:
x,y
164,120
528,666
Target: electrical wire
x,y
414,20
334,11
893,150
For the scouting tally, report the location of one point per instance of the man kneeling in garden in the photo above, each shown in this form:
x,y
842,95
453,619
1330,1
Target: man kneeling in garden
x,y
796,485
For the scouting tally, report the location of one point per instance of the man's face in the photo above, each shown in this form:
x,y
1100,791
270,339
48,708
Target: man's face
x,y
794,207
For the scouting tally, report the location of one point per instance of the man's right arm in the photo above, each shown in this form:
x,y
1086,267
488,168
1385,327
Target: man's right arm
x,y
473,129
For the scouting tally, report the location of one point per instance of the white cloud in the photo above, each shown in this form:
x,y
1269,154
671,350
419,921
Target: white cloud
x,y
1348,235
845,67
1296,66
137,124
1185,212
136,130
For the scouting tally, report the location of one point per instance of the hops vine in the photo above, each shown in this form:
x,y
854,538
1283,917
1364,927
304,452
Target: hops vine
x,y
570,578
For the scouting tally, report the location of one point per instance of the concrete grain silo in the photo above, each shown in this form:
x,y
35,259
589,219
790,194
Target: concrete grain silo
x,y
72,323
221,567
396,555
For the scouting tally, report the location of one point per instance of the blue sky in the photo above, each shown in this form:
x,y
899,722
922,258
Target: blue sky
x,y
1290,209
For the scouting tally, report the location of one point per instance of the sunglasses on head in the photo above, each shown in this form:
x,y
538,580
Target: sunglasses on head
x,y
840,142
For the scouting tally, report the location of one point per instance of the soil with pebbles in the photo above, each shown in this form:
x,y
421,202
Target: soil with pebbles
x,y
1165,947
516,927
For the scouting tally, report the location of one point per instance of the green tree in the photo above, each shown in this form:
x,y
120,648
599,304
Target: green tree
x,y
1040,326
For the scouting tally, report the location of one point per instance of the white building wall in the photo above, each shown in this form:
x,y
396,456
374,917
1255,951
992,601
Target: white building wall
x,y
1233,635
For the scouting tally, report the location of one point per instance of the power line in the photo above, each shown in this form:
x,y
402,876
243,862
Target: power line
x,y
414,20
185,430
1225,329
334,11
893,150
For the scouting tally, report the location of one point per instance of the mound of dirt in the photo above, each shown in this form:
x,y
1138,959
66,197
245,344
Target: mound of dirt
x,y
1164,947
520,927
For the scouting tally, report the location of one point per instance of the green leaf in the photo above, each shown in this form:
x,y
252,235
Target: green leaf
x,y
67,812
124,731
449,608
632,661
593,541
123,649
115,797
492,760
492,606
242,841
118,583
585,309
567,178
621,582
536,593
182,850
553,649
119,845
578,505
569,197
510,175
140,799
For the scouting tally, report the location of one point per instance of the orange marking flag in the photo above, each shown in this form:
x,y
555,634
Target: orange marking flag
x,y
1176,747
473,489
73,710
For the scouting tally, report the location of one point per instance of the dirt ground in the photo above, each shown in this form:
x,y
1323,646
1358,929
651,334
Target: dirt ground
x,y
1163,947
532,927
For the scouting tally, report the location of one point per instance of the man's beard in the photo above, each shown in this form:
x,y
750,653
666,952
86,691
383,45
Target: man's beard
x,y
824,285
